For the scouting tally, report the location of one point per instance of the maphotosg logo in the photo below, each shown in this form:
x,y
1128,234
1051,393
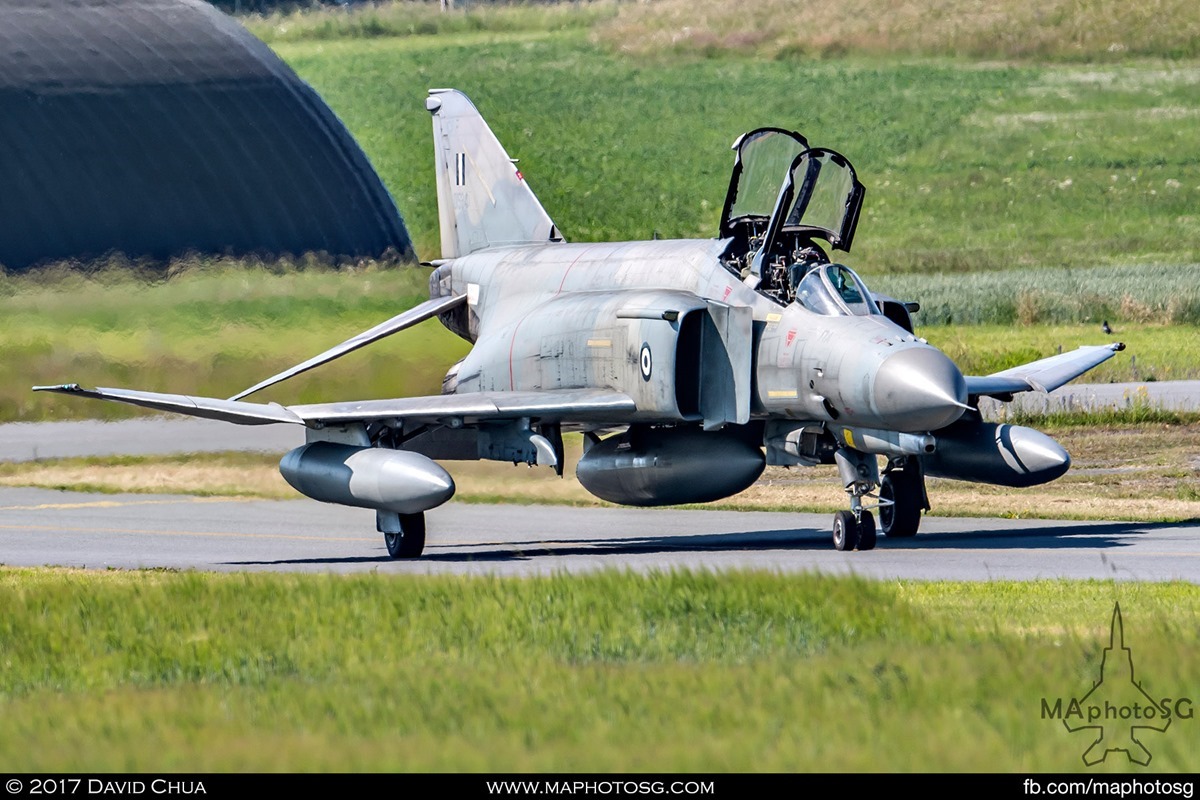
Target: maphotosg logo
x,y
1117,710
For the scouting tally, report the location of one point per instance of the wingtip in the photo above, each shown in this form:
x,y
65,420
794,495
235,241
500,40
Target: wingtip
x,y
1118,347
59,387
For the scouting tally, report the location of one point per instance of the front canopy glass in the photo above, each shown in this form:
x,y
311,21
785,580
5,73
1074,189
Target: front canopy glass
x,y
764,158
834,290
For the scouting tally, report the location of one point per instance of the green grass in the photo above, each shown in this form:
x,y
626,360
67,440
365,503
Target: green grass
x,y
149,671
968,165
1135,413
215,328
1168,295
1153,352
998,194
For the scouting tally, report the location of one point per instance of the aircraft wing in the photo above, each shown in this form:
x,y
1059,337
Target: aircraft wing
x,y
236,411
561,405
569,405
1045,375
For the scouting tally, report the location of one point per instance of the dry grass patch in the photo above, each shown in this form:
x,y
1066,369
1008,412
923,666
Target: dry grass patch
x,y
1054,29
1146,472
205,475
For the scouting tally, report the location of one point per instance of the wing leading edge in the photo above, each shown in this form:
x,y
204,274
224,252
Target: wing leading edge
x,y
402,321
1044,375
560,405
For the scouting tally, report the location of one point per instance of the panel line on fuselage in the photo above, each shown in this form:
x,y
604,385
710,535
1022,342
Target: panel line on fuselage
x,y
563,282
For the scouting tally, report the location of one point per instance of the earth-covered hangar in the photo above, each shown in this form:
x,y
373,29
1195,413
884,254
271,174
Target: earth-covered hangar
x,y
155,128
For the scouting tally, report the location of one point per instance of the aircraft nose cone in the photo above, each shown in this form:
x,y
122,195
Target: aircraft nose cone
x,y
919,389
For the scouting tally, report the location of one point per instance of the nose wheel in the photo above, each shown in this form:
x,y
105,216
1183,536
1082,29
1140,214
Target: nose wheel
x,y
855,529
853,534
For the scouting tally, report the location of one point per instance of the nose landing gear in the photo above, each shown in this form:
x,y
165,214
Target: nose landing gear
x,y
855,529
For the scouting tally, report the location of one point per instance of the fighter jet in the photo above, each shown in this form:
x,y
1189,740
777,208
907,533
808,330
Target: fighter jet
x,y
687,365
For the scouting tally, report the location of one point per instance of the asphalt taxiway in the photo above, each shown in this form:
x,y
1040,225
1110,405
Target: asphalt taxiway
x,y
45,527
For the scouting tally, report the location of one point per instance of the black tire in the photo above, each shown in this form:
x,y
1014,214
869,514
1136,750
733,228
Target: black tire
x,y
410,542
845,531
866,531
902,518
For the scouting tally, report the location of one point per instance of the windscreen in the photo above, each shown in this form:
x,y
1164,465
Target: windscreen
x,y
834,290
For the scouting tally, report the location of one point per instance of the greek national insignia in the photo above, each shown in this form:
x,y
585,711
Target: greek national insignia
x,y
647,362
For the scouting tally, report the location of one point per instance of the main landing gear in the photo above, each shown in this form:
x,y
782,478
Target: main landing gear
x,y
900,502
403,534
902,498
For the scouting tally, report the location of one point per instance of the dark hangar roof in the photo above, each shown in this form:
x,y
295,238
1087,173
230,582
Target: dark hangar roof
x,y
159,127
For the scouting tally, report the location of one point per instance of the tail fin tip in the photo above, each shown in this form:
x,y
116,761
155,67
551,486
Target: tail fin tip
x,y
483,199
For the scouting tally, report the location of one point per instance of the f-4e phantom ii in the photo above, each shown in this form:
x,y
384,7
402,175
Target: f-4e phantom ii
x,y
687,365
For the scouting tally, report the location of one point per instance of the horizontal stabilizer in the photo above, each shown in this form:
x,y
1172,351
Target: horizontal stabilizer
x,y
1045,375
206,407
416,314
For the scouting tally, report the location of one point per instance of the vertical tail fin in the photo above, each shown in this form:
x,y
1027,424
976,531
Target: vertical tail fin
x,y
483,200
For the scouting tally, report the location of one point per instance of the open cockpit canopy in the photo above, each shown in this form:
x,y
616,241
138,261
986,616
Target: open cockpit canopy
x,y
783,198
781,185
821,197
763,159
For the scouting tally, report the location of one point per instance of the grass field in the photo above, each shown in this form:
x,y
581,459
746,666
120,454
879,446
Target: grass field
x,y
968,166
213,331
160,671
1030,172
1034,192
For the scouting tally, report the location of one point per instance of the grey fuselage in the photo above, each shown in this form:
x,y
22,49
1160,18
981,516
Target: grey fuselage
x,y
616,315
